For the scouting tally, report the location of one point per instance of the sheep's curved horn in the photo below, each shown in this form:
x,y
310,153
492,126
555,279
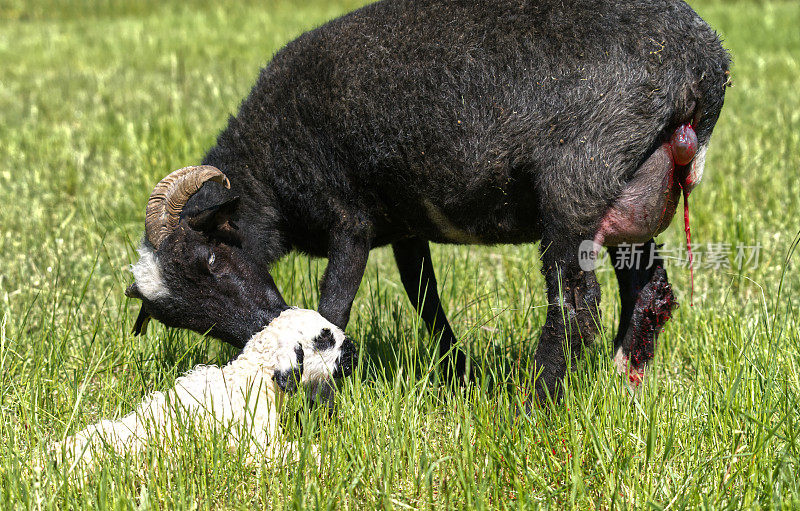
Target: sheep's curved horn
x,y
170,195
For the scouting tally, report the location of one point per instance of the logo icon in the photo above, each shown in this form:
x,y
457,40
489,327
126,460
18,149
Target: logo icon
x,y
587,254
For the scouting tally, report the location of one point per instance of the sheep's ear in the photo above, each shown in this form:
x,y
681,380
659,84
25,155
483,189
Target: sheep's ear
x,y
289,379
217,221
140,327
213,216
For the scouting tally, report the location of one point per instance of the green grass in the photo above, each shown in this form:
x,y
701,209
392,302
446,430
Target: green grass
x,y
99,100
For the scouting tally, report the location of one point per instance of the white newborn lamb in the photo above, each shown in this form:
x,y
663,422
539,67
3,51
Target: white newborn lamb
x,y
246,395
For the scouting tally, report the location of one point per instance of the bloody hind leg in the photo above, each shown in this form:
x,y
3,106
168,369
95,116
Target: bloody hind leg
x,y
634,266
642,322
413,257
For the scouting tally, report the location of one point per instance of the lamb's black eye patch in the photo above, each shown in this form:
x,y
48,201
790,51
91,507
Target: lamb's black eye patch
x,y
325,340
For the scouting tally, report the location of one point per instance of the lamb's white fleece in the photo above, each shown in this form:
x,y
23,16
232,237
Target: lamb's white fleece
x,y
242,393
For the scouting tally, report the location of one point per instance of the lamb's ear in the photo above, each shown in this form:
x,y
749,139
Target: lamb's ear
x,y
289,379
325,340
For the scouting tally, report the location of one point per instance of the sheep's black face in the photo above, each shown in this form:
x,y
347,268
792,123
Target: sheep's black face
x,y
203,280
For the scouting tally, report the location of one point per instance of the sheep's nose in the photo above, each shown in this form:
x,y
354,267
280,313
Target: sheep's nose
x,y
348,356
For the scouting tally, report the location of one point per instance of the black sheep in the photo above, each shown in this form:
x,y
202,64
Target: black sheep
x,y
473,121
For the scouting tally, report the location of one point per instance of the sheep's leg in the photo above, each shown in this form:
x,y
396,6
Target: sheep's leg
x,y
647,304
572,315
413,257
634,269
347,259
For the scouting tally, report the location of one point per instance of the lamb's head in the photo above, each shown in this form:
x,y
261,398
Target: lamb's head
x,y
195,270
302,346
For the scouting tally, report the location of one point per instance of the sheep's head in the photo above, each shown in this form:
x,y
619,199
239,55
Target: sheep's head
x,y
302,346
193,272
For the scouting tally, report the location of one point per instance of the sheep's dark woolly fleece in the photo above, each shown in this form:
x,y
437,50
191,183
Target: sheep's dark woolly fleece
x,y
447,121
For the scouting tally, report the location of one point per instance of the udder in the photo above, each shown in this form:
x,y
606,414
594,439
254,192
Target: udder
x,y
646,205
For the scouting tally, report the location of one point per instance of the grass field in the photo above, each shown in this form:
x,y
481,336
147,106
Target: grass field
x,y
100,99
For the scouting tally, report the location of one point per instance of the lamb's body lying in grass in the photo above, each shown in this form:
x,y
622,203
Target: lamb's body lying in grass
x,y
244,396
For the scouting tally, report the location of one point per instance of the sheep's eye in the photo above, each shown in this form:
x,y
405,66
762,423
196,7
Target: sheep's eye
x,y
205,261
